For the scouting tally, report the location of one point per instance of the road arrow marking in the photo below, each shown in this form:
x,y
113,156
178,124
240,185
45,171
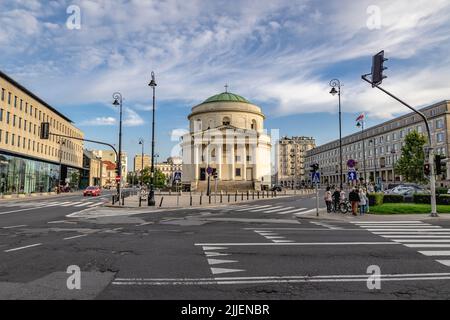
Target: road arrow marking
x,y
215,254
224,270
219,261
213,248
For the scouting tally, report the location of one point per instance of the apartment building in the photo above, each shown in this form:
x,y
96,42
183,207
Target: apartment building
x,y
27,163
382,144
290,160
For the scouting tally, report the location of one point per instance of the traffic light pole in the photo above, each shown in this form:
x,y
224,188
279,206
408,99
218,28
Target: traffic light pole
x,y
430,148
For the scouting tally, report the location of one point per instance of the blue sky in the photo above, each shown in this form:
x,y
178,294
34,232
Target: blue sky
x,y
279,54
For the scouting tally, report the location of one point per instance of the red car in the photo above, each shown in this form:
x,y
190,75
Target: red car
x,y
92,191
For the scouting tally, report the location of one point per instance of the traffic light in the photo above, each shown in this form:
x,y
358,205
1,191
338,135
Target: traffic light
x,y
215,175
439,163
378,68
45,130
426,169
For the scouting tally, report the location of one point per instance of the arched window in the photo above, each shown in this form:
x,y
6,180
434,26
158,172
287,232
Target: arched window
x,y
226,121
253,125
198,125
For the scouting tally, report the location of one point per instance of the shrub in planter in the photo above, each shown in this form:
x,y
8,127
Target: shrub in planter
x,y
375,199
441,190
422,198
443,199
393,198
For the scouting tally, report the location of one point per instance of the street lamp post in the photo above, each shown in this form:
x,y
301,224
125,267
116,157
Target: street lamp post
x,y
141,142
151,197
361,124
117,96
335,83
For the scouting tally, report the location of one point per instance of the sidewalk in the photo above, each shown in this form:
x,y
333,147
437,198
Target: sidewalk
x,y
193,200
323,215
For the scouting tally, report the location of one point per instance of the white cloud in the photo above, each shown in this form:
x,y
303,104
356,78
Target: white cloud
x,y
100,121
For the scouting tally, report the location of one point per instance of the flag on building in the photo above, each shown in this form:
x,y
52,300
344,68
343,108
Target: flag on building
x,y
360,117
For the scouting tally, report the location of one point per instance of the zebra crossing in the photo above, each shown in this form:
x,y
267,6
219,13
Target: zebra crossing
x,y
37,205
255,208
429,240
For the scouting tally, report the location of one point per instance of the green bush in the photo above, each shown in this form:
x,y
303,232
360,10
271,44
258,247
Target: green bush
x,y
443,199
393,198
376,199
441,190
422,198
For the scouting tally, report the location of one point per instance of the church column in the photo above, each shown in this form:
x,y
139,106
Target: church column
x,y
196,162
219,157
244,162
233,160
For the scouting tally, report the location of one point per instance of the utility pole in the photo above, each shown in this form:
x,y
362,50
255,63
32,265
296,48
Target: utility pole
x,y
151,197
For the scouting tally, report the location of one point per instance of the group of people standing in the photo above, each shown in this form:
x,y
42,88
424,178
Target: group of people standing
x,y
358,198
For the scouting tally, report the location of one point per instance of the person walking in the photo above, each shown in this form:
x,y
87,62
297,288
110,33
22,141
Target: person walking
x,y
336,199
362,201
328,199
354,199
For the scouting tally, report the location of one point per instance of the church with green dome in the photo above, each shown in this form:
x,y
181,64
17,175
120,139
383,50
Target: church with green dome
x,y
227,143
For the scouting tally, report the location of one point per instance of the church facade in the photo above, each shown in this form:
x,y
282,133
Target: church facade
x,y
226,135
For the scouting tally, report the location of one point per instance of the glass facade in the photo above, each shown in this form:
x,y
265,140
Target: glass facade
x,y
20,175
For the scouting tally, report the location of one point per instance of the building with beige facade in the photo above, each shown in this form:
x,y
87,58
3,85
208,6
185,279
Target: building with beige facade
x,y
383,144
226,134
290,160
92,172
27,163
141,162
169,167
110,155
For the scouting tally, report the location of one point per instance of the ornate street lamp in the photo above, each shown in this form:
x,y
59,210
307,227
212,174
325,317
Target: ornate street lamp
x,y
151,197
335,83
117,96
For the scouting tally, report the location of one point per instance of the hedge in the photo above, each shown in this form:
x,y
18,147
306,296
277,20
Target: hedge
x,y
441,190
376,199
393,198
426,198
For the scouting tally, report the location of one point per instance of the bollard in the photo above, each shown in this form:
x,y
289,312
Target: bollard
x,y
258,194
209,199
190,201
275,193
253,195
123,200
242,196
221,197
201,198
160,203
235,197
228,197
140,201
247,194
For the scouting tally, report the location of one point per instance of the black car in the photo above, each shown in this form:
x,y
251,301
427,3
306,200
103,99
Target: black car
x,y
276,188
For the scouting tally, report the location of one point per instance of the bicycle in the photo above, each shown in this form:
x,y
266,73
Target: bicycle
x,y
345,206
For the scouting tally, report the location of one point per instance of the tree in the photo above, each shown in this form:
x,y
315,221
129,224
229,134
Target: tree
x,y
410,164
160,177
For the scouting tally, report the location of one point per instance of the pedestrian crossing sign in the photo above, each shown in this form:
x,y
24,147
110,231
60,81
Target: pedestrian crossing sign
x,y
316,177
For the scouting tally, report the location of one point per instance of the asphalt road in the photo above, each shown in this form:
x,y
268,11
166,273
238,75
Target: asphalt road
x,y
254,251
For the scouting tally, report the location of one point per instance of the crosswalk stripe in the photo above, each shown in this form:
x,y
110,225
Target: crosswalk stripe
x,y
403,227
253,207
424,245
421,229
292,211
95,204
71,204
377,222
276,210
421,240
404,236
262,209
435,253
430,232
83,204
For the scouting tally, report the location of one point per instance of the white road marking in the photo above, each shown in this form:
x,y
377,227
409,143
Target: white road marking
x,y
299,244
214,248
414,236
219,261
444,262
274,237
421,240
224,270
25,247
95,204
403,227
378,222
84,204
435,253
12,227
421,229
430,232
297,210
276,210
424,245
253,207
262,209
71,204
58,221
74,237
215,254
282,241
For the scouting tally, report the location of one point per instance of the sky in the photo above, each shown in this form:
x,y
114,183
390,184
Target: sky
x,y
281,55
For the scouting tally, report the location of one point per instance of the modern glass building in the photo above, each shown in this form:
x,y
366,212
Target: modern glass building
x,y
29,164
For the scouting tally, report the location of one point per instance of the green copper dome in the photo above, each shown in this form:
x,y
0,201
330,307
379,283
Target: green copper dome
x,y
226,97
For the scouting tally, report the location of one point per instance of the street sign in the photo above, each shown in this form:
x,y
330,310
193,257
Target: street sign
x,y
316,177
177,176
352,175
351,163
209,170
118,179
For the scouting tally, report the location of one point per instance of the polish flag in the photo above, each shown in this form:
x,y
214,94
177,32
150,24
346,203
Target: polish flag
x,y
360,117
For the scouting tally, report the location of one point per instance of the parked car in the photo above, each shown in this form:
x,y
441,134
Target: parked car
x,y
276,188
92,191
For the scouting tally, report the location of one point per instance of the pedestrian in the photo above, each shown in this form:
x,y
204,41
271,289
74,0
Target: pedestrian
x,y
354,199
336,199
362,201
328,199
371,188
